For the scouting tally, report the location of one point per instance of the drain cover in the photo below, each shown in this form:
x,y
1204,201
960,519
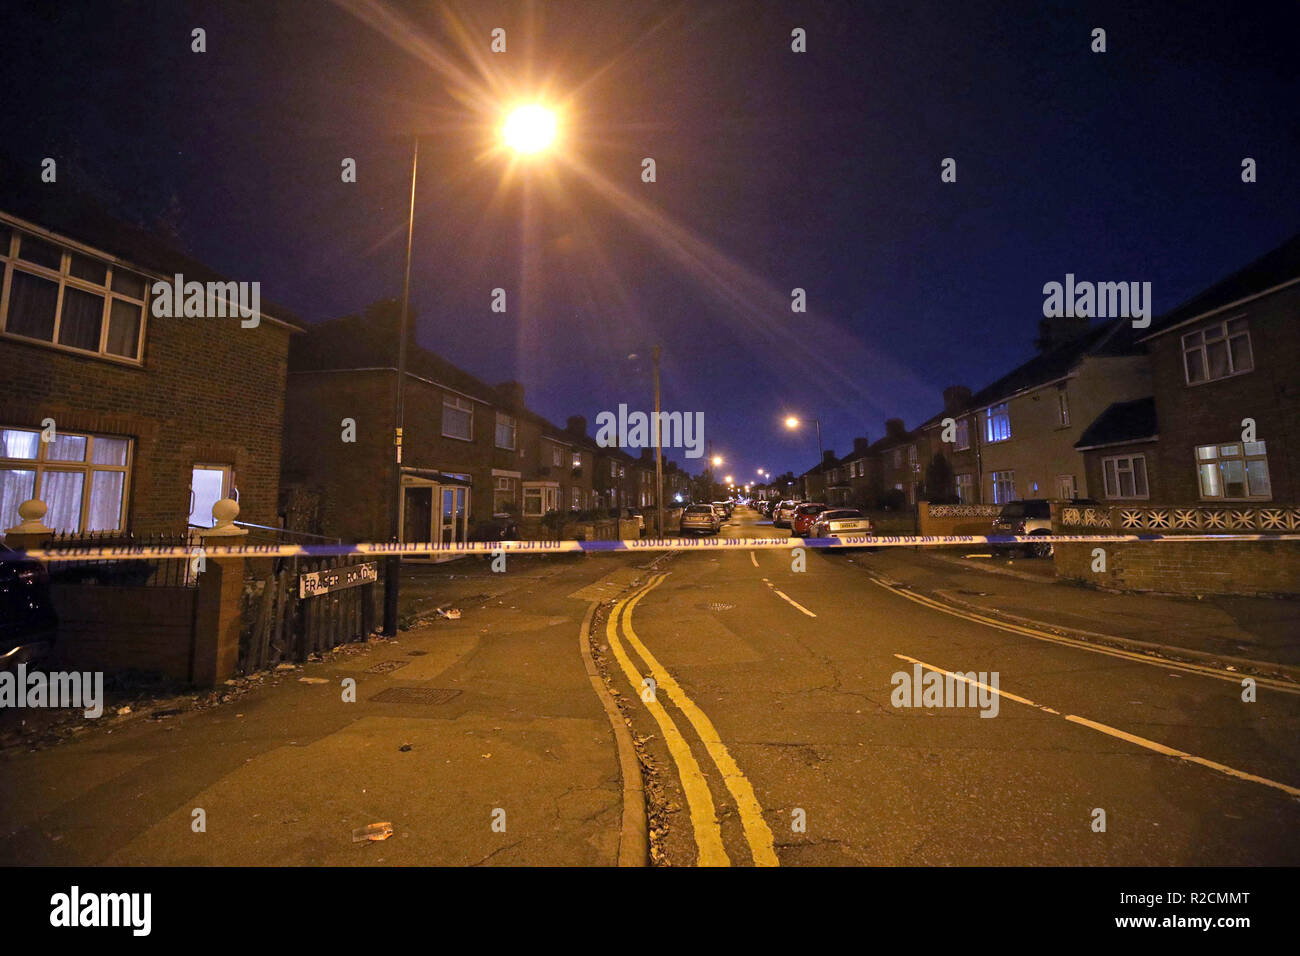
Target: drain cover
x,y
383,667
414,695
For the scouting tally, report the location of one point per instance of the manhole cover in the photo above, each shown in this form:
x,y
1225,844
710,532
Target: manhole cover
x,y
384,667
414,695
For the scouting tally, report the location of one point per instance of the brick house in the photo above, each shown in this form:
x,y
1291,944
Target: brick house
x,y
1228,355
960,470
155,417
1027,423
900,453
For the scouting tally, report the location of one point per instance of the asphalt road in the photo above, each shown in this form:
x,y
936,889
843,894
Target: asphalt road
x,y
777,741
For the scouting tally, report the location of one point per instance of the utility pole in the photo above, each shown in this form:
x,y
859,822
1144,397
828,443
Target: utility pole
x,y
659,454
393,566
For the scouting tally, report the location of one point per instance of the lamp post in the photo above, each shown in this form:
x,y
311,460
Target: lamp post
x,y
793,423
393,567
527,129
659,455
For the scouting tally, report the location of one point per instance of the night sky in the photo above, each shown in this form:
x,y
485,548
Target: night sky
x,y
775,170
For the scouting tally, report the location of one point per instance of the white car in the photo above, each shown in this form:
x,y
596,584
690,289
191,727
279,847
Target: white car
x,y
840,523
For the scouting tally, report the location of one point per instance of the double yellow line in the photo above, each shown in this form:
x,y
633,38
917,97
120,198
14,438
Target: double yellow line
x,y
704,819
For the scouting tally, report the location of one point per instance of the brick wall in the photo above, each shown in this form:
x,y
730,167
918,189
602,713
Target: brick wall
x,y
1194,567
209,391
125,628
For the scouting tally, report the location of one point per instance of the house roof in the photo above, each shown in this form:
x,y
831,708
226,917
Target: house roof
x,y
1121,422
67,212
1276,267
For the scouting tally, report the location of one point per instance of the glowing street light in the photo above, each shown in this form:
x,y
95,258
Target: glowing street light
x,y
717,460
530,128
792,423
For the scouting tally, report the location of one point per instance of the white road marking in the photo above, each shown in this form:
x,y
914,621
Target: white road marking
x,y
1114,732
754,559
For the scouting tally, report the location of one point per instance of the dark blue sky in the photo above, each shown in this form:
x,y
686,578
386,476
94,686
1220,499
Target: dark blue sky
x,y
775,170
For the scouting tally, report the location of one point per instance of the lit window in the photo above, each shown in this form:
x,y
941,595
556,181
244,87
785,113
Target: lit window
x,y
1125,476
1004,487
66,299
1218,351
966,489
81,478
997,423
1235,471
1062,408
457,417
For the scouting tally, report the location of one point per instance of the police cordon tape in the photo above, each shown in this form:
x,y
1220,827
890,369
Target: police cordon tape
x,y
417,549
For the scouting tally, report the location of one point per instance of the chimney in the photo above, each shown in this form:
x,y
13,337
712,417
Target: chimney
x,y
577,426
956,398
860,445
512,394
894,428
1058,330
828,458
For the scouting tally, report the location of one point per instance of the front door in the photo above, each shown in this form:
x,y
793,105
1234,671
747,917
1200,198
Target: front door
x,y
417,513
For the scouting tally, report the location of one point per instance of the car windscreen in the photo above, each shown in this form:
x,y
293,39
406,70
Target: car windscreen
x,y
700,510
1014,509
811,509
845,513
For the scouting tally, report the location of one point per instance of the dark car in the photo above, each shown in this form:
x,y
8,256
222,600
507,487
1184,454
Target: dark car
x,y
1032,516
496,528
28,624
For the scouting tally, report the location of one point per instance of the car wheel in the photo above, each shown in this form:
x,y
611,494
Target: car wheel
x,y
1039,550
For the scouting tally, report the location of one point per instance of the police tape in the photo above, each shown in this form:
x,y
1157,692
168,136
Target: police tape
x,y
433,548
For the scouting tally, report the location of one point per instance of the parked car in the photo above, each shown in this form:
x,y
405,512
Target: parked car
x,y
726,507
1032,516
700,519
840,523
782,513
28,623
502,527
804,516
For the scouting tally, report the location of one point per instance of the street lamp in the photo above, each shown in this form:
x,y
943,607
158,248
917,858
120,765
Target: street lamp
x,y
792,423
527,130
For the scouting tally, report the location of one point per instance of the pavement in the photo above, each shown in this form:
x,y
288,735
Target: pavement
x,y
719,708
480,740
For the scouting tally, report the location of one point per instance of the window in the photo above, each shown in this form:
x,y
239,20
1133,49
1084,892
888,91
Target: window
x,y
457,417
898,458
1234,471
577,460
966,489
997,424
613,469
81,478
63,298
577,498
208,485
1062,408
1066,488
1004,487
557,456
505,437
1125,476
1217,351
540,499
503,493
913,461
963,435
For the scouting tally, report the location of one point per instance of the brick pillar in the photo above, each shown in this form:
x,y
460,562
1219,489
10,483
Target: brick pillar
x,y
923,517
31,532
218,611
